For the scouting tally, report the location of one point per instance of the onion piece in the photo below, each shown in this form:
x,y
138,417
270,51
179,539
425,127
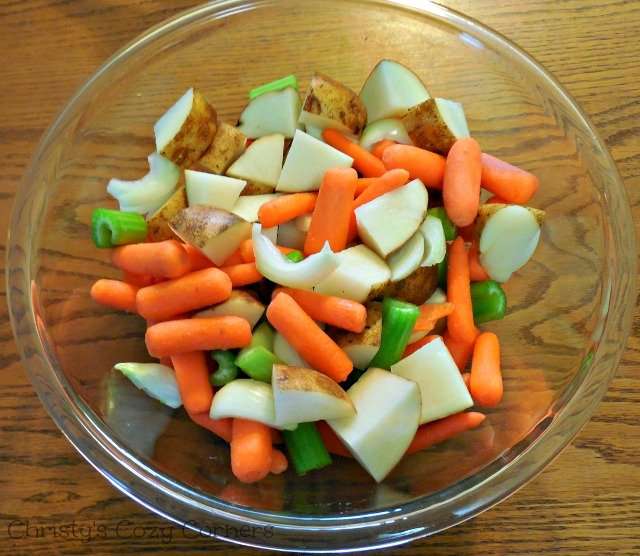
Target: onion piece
x,y
156,380
246,398
389,128
148,194
435,245
277,268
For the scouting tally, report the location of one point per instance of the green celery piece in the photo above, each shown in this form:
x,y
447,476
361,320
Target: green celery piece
x,y
227,369
295,256
398,320
113,227
257,362
277,85
307,451
263,335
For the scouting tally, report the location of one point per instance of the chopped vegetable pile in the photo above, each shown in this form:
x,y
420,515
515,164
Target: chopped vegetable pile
x,y
320,269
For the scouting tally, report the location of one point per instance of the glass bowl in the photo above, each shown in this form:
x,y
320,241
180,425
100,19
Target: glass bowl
x,y
569,308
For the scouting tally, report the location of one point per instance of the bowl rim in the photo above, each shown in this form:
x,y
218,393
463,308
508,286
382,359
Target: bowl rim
x,y
361,530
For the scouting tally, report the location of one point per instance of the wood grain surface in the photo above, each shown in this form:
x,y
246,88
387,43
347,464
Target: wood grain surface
x,y
586,503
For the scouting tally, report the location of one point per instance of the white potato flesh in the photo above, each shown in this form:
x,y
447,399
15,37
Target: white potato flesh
x,y
247,207
305,395
289,235
286,353
307,162
166,128
435,243
361,354
314,131
274,112
386,420
452,113
303,223
246,398
390,90
360,272
442,389
212,190
389,128
437,297
240,304
508,240
261,162
388,221
319,123
406,259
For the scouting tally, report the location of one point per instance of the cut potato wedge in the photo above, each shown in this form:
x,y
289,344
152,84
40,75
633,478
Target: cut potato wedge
x,y
307,162
215,232
362,347
360,276
269,113
158,228
247,207
186,130
329,103
415,288
390,90
227,145
260,165
487,211
304,395
388,221
405,260
436,124
212,190
240,304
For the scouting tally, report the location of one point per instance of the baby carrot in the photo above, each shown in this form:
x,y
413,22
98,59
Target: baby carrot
x,y
485,385
197,260
379,186
330,219
279,462
307,338
363,183
192,376
366,163
381,146
180,336
248,256
415,346
139,280
460,350
285,208
234,258
444,429
476,272
460,322
467,379
219,427
461,186
428,167
336,311
251,450
494,199
508,182
163,259
116,294
193,291
431,312
468,233
242,274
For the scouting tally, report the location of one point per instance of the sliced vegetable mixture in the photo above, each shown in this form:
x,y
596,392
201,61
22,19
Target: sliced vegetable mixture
x,y
295,275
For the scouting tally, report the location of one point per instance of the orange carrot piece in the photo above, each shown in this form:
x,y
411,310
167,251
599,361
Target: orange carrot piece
x,y
415,346
467,379
307,338
486,378
336,311
461,186
116,294
193,291
508,182
494,199
251,450
468,233
234,258
366,163
363,183
428,167
431,312
379,186
476,272
179,336
331,441
242,274
163,259
139,280
192,376
279,462
460,322
219,427
248,256
460,350
197,259
285,208
381,146
330,219
444,429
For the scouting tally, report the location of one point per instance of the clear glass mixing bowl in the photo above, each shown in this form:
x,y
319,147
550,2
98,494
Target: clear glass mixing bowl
x,y
569,309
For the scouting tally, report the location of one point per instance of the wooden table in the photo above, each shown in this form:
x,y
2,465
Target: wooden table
x,y
587,502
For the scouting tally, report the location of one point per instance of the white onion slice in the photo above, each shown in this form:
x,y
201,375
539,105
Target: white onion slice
x,y
156,380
